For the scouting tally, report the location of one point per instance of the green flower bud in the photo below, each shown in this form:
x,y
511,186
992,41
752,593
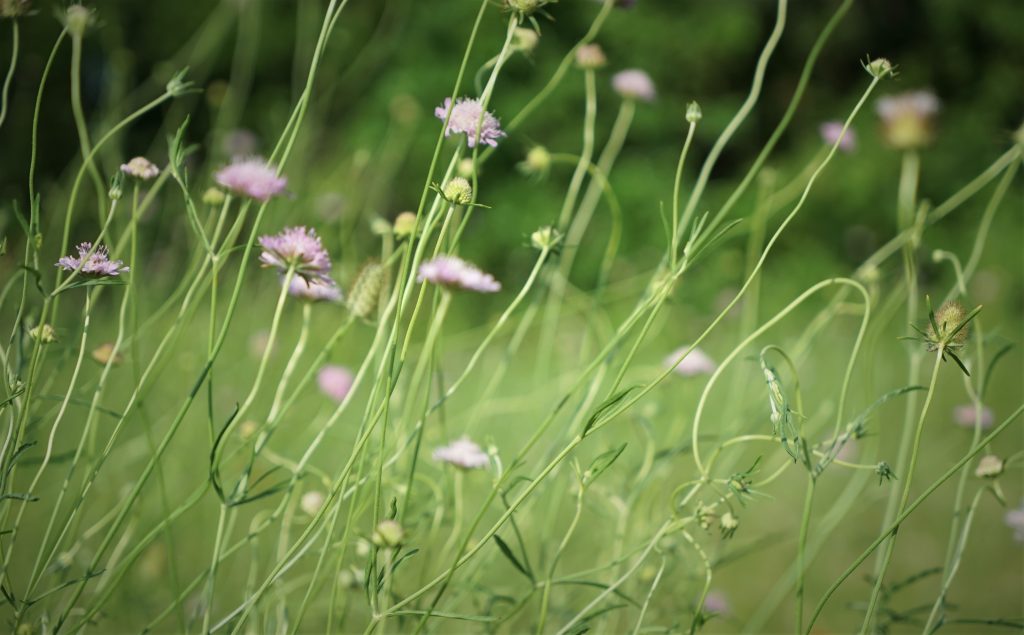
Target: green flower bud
x,y
388,534
693,112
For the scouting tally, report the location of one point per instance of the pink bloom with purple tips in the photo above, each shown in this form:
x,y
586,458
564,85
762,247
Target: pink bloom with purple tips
x,y
299,249
634,83
314,289
96,264
253,178
454,272
463,454
466,119
832,132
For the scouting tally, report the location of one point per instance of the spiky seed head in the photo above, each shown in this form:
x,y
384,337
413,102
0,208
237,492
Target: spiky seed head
x,y
365,294
948,317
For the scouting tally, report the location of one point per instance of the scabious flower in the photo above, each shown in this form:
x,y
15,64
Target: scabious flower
x,y
696,363
252,177
314,289
454,272
334,381
464,454
590,57
908,118
466,119
634,83
715,602
832,132
1015,520
141,168
299,249
97,264
964,416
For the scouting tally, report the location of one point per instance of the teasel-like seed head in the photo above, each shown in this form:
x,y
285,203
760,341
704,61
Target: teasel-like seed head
x,y
364,297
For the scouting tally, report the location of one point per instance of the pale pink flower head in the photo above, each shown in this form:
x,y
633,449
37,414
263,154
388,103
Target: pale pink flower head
x,y
314,289
634,83
251,177
716,602
141,168
696,363
454,272
1015,520
299,249
335,381
908,119
832,133
963,416
464,454
96,264
466,119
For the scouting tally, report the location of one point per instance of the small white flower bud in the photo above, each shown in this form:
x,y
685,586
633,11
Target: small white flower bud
x,y
693,112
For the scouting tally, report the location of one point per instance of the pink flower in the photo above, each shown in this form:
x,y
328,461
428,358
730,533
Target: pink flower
x,y
299,249
141,168
314,289
335,381
715,602
96,264
466,119
454,272
832,133
634,83
464,454
696,363
253,178
963,416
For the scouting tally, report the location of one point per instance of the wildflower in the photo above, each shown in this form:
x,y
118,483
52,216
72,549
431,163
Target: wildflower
x,y
297,249
693,112
96,264
314,289
213,197
388,534
405,224
524,40
728,523
590,57
696,363
106,354
453,272
908,118
458,191
335,381
468,117
715,603
43,333
141,168
964,416
537,162
832,133
311,502
365,294
634,83
253,178
13,8
1015,520
464,454
989,466
545,238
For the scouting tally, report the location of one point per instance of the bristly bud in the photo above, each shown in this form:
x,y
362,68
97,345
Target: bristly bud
x,y
388,534
884,472
213,197
693,112
365,294
405,224
590,57
116,190
879,67
546,238
43,334
941,329
77,19
989,466
524,40
537,162
458,191
13,8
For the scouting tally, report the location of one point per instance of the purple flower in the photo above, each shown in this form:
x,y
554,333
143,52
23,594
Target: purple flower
x,y
314,289
253,178
464,454
141,168
963,416
298,248
465,119
454,272
97,264
832,132
634,83
1015,520
335,381
715,602
696,363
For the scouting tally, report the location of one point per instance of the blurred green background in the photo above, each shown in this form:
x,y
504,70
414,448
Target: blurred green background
x,y
370,133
